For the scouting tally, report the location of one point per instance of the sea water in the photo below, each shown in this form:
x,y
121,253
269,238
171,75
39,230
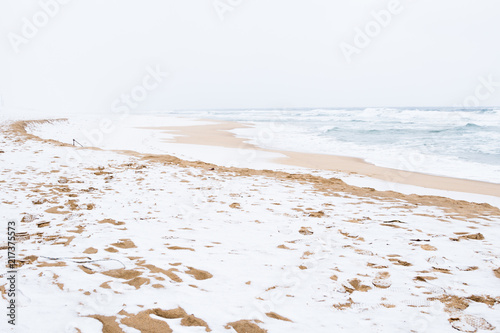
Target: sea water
x,y
454,142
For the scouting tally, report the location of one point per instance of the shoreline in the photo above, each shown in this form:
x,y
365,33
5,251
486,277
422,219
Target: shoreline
x,y
218,135
454,208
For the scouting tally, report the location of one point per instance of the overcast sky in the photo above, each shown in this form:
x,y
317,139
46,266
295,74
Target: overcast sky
x,y
88,55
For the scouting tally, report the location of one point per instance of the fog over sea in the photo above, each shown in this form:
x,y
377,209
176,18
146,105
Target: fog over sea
x,y
454,142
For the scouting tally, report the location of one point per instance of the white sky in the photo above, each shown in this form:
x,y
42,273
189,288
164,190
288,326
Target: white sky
x,y
264,54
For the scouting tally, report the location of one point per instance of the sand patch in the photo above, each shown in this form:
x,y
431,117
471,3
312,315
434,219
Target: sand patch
x,y
364,252
109,324
59,285
52,264
469,269
317,214
198,274
391,225
56,210
245,326
144,323
343,306
306,254
105,285
306,231
497,272
138,282
111,221
170,273
72,204
424,278
124,244
101,173
64,189
477,236
372,265
180,248
191,320
277,316
187,320
452,302
484,299
428,247
86,269
28,260
122,273
355,285
400,262
43,224
90,250
170,314
441,270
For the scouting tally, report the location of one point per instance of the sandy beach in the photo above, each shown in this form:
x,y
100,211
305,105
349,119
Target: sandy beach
x,y
132,241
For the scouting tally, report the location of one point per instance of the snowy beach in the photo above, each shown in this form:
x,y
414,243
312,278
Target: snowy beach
x,y
256,145
233,166
121,237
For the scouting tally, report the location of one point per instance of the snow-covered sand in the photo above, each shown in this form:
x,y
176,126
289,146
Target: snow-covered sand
x,y
140,242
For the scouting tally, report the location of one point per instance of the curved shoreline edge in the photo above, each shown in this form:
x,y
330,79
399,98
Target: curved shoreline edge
x,y
217,135
455,208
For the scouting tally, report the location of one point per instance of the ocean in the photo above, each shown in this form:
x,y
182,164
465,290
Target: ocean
x,y
454,142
